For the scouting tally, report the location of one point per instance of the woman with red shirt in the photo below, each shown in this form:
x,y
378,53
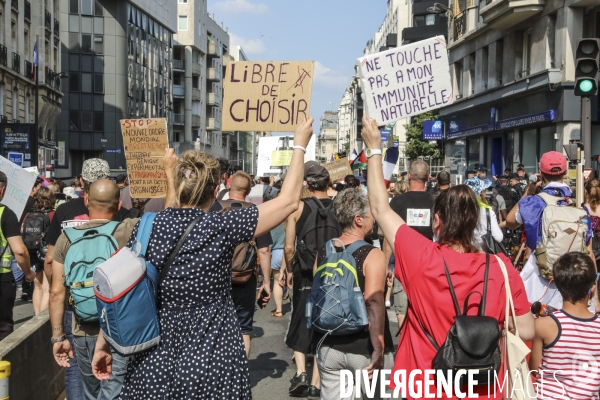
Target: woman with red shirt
x,y
420,269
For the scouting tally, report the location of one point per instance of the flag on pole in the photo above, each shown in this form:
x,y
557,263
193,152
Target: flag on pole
x,y
389,163
36,61
360,162
353,155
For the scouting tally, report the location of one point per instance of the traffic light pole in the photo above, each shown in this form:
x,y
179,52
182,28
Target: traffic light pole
x,y
586,129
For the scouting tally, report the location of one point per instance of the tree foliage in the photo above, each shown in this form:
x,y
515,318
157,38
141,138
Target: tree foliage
x,y
415,145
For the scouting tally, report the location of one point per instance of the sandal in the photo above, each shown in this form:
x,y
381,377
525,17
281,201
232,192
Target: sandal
x,y
277,314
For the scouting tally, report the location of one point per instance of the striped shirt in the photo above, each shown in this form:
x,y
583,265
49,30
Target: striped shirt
x,y
570,367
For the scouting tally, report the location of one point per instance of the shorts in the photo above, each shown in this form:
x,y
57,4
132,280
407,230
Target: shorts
x,y
400,299
37,265
243,302
276,259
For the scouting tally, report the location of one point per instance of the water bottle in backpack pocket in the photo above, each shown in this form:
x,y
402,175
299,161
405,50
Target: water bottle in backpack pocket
x,y
89,248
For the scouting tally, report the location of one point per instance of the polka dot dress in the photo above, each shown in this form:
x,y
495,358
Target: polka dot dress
x,y
201,353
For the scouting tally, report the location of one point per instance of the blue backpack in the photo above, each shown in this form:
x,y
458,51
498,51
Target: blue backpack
x,y
89,248
335,305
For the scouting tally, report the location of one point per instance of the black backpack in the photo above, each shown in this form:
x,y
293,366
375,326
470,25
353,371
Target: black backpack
x,y
320,227
472,341
510,196
493,202
34,228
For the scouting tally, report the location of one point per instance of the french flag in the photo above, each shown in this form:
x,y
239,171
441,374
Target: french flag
x,y
36,61
389,164
331,159
353,156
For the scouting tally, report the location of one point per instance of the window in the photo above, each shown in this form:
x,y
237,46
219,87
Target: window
x,y
27,109
74,42
86,7
98,83
74,6
182,1
15,99
458,75
499,61
86,83
183,23
99,44
73,82
86,43
86,24
529,150
484,67
526,53
2,99
86,121
74,120
74,103
430,19
472,73
547,141
98,10
98,103
99,122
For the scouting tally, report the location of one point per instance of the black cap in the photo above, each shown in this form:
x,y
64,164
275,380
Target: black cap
x,y
520,166
434,175
471,171
504,177
121,178
519,169
482,168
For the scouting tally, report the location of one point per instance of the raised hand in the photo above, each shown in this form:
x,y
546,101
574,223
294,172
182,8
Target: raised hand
x,y
370,133
304,132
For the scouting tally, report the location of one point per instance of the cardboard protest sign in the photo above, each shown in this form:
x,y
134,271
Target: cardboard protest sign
x,y
406,80
338,169
267,96
20,183
271,145
145,141
281,158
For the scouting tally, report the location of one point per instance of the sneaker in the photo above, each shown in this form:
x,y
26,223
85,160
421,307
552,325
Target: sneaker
x,y
388,304
299,385
314,392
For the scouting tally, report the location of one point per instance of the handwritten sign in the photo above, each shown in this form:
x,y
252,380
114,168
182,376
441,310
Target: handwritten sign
x,y
338,169
145,141
406,81
267,96
269,145
20,183
281,158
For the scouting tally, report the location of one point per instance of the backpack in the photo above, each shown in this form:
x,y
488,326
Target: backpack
x,y
493,202
243,263
319,227
335,305
564,229
510,196
34,228
89,248
126,288
472,341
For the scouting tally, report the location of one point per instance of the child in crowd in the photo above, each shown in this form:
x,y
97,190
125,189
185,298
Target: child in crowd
x,y
566,348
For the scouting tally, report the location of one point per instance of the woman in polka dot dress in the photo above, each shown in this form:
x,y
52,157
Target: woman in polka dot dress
x,y
201,353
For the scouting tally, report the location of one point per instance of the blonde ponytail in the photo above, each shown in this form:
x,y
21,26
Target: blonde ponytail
x,y
197,176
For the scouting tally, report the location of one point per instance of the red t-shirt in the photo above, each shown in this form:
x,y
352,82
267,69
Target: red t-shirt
x,y
420,268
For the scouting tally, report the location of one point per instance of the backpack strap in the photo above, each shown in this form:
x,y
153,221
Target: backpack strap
x,y
107,228
313,203
452,292
351,248
143,233
330,246
489,220
549,199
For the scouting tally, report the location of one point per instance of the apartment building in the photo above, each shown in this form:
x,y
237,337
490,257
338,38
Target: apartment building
x,y
327,141
200,56
512,65
22,23
118,57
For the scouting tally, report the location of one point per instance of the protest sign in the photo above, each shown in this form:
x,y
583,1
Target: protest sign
x,y
20,183
267,96
274,146
405,81
338,169
145,141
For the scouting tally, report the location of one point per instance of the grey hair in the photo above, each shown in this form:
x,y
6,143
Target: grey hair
x,y
348,204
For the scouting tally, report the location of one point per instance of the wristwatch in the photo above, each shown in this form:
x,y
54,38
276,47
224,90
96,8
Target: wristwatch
x,y
373,152
58,339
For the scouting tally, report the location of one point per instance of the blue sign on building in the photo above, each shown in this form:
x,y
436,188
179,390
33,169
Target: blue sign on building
x,y
385,133
433,130
545,116
113,150
16,158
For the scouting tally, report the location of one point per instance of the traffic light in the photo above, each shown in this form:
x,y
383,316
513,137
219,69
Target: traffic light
x,y
587,61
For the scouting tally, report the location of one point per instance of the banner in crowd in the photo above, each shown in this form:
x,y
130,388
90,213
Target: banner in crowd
x,y
338,169
266,96
145,141
406,80
269,146
20,183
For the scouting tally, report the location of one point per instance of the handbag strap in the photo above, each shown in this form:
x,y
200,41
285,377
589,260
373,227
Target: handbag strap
x,y
510,306
489,221
485,284
180,242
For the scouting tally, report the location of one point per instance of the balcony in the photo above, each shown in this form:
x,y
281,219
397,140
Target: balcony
x,y
56,28
213,50
391,40
27,11
195,94
3,55
15,5
48,21
179,65
50,77
416,33
213,74
213,124
459,24
178,119
28,69
16,63
3,119
196,122
196,69
504,14
213,99
178,91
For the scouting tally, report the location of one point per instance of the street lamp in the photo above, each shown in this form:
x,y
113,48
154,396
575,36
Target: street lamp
x,y
439,8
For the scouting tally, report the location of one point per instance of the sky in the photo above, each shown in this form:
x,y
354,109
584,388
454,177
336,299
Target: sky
x,y
332,33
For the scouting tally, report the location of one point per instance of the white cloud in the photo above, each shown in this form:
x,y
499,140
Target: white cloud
x,y
241,7
250,46
328,77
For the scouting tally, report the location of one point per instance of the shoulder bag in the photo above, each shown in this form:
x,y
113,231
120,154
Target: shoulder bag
x,y
490,245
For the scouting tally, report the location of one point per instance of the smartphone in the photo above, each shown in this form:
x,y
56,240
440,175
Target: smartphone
x,y
261,296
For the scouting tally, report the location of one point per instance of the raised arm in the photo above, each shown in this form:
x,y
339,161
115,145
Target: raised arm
x,y
274,212
388,220
169,163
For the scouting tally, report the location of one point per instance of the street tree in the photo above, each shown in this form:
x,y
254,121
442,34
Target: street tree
x,y
415,145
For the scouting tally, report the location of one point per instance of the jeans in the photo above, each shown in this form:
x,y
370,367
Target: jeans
x,y
8,292
92,387
73,386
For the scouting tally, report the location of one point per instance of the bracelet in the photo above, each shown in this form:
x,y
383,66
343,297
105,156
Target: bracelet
x,y
300,147
58,339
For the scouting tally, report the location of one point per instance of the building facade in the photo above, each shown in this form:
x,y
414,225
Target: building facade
x,y
118,56
327,142
23,25
512,65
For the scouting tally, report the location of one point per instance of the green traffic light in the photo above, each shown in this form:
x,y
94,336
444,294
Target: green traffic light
x,y
586,85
